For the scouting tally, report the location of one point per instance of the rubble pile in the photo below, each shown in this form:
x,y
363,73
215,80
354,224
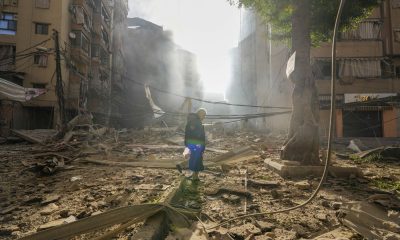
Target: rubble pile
x,y
94,169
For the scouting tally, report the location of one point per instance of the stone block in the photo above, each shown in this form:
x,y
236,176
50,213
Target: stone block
x,y
293,171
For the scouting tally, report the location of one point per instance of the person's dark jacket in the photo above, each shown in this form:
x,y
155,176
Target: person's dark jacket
x,y
194,131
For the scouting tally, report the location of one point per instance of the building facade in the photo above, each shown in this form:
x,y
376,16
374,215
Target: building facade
x,y
368,60
258,74
85,35
368,76
152,58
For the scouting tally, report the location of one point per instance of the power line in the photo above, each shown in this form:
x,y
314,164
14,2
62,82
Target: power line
x,y
206,101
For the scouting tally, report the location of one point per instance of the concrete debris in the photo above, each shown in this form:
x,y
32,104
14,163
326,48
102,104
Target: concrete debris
x,y
38,136
370,221
8,230
8,210
357,146
49,209
76,178
261,183
50,199
161,187
389,201
233,199
118,177
244,230
57,223
222,190
383,153
265,226
303,185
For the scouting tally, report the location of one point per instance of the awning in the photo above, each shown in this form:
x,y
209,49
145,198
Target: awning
x,y
366,108
14,92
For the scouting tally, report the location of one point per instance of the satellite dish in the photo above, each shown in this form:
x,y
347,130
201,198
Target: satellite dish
x,y
72,35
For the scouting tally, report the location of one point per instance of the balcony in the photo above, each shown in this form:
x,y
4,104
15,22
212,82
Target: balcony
x,y
9,3
375,85
88,5
350,49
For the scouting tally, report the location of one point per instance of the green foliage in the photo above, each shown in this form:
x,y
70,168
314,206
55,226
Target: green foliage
x,y
387,184
323,13
371,158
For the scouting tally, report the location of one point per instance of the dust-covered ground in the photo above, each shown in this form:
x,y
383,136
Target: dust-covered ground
x,y
42,186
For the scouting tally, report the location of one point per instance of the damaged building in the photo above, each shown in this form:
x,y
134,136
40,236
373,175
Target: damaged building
x,y
154,60
85,33
258,76
367,68
368,72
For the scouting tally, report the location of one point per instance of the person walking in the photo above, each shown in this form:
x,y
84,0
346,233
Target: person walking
x,y
195,141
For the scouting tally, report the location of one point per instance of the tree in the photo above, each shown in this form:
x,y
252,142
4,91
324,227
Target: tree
x,y
306,23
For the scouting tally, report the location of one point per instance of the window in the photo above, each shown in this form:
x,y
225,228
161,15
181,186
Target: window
x,y
325,101
397,69
40,59
104,15
8,23
104,35
81,41
369,29
39,85
13,3
42,28
42,4
7,57
95,50
396,35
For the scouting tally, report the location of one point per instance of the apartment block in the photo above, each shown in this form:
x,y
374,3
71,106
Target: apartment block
x,y
368,73
85,33
368,70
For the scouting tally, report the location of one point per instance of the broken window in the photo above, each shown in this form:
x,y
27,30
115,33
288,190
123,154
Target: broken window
x,y
366,30
322,69
104,36
40,60
8,23
104,56
42,28
42,4
81,41
79,17
7,57
104,15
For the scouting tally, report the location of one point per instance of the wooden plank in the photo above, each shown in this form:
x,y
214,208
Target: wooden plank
x,y
175,147
147,164
26,137
100,221
231,154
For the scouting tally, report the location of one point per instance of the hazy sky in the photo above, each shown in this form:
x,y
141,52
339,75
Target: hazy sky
x,y
208,28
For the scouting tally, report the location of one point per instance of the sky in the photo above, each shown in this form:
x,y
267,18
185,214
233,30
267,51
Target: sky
x,y
208,28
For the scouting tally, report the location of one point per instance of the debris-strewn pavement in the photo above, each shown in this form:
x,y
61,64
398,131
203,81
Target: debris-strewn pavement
x,y
42,186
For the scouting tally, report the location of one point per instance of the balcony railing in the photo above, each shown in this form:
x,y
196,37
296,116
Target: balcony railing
x,y
11,3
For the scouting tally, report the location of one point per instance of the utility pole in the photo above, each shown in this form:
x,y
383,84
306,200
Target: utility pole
x,y
59,87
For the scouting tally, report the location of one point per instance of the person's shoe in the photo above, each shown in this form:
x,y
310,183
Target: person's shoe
x,y
179,168
195,177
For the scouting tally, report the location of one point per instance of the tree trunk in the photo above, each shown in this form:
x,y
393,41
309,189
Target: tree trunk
x,y
302,143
